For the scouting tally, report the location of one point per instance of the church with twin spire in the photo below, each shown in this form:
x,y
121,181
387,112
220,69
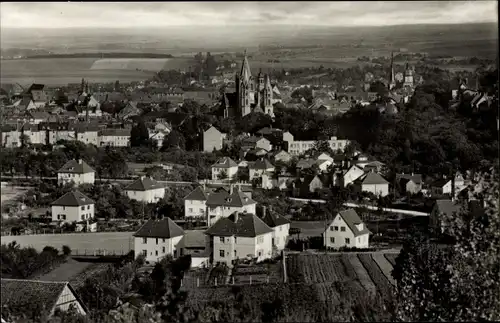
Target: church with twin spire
x,y
252,95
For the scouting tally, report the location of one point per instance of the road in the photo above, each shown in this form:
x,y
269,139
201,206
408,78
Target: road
x,y
113,180
369,207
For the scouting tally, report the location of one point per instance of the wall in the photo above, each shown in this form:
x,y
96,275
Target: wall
x,y
212,139
73,213
377,189
114,141
263,143
151,196
198,208
225,211
66,299
413,188
280,235
154,251
78,179
88,137
230,172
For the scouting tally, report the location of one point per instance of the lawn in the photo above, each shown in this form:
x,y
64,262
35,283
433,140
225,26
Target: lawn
x,y
66,271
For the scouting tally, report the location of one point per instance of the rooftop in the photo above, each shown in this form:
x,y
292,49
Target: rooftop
x,y
76,167
74,198
239,225
144,184
165,228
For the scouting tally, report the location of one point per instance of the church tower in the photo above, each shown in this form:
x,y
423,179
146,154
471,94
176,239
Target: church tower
x,y
245,88
268,97
392,80
408,76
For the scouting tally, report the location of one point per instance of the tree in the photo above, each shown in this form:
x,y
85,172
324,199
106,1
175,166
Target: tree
x,y
460,281
223,175
174,140
139,135
66,250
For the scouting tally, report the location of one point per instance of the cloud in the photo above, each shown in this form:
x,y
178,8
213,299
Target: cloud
x,y
164,14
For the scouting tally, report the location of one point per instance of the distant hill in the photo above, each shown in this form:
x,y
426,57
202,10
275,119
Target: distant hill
x,y
101,55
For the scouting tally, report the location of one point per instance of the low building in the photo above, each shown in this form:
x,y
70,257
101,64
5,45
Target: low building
x,y
73,206
87,134
225,168
409,183
346,230
213,139
260,167
158,238
280,226
145,189
21,294
373,183
78,172
222,204
114,137
195,203
240,236
195,244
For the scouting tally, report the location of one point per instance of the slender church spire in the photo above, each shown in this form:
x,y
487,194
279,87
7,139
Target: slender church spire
x,y
245,69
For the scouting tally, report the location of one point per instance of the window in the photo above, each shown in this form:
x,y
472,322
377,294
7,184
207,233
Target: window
x,y
260,240
163,240
332,240
144,240
336,228
221,253
156,252
83,208
331,228
347,241
202,211
88,207
156,240
260,253
359,239
221,239
342,229
190,210
83,216
163,249
281,228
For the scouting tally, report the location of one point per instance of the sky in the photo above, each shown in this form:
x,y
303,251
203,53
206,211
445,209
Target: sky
x,y
225,13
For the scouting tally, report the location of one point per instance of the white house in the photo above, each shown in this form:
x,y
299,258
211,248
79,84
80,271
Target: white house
x,y
240,236
280,226
352,174
409,183
346,230
298,147
51,295
114,137
225,166
145,189
374,183
324,156
158,238
78,172
282,156
223,204
323,164
260,167
73,207
158,136
213,139
195,203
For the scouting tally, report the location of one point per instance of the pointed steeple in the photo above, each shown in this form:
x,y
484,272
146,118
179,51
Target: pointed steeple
x,y
392,67
245,69
82,88
268,82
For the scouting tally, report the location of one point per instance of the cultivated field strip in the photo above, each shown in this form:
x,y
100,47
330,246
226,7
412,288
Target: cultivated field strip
x,y
361,273
381,282
385,266
352,278
391,257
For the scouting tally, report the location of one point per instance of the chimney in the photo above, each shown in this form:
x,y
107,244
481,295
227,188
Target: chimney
x,y
142,177
231,189
80,161
264,211
236,217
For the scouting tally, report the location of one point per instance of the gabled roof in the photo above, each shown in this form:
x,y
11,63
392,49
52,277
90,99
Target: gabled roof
x,y
144,184
242,225
74,198
197,195
76,167
223,198
261,164
273,219
440,182
115,132
416,178
164,228
448,207
225,162
373,178
351,218
306,163
24,293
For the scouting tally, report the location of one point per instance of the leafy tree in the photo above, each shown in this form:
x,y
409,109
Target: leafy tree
x,y
139,135
223,175
174,140
66,250
458,282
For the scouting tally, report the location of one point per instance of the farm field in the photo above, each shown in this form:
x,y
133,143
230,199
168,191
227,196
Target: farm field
x,y
338,276
61,71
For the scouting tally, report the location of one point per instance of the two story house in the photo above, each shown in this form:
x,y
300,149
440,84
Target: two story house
x,y
346,230
213,139
145,189
409,183
72,207
222,204
195,203
260,167
373,183
239,236
158,238
225,168
76,171
114,137
280,226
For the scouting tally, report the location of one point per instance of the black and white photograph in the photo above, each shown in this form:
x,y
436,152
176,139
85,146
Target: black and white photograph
x,y
249,161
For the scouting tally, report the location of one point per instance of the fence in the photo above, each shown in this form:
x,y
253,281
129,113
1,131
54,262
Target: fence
x,y
98,252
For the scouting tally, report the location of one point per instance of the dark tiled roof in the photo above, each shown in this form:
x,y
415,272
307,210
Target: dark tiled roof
x,y
237,199
193,239
305,163
416,178
75,167
114,132
440,182
447,207
39,115
273,219
75,198
197,195
164,228
261,164
351,218
18,294
246,225
36,87
373,178
225,162
144,184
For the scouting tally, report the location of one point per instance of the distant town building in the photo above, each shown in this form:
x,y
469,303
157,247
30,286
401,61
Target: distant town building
x,y
76,171
145,189
346,230
299,147
213,139
73,206
225,168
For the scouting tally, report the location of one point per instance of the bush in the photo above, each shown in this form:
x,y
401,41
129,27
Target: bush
x,y
66,250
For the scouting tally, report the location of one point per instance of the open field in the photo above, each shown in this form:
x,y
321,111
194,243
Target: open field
x,y
62,71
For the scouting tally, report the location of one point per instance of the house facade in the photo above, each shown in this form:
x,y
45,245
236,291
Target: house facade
x,y
223,204
114,137
76,171
280,226
240,236
145,189
195,203
225,167
213,139
346,230
373,183
260,167
72,207
158,238
299,147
